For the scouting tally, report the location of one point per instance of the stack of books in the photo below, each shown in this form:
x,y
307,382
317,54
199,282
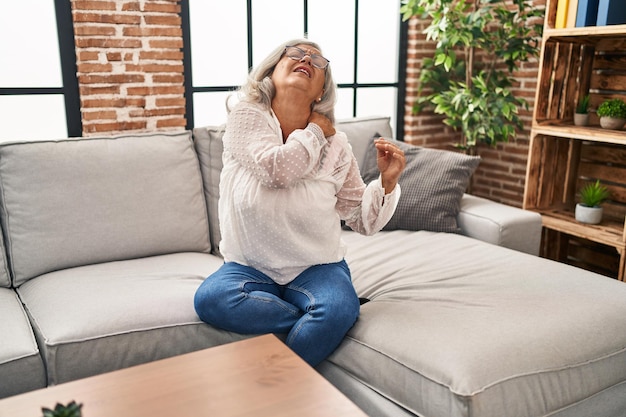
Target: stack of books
x,y
579,13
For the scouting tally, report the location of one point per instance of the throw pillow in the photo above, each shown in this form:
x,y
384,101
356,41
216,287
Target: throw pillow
x,y
432,185
209,147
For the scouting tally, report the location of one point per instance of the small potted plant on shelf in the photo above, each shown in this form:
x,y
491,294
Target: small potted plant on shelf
x,y
581,116
612,113
591,196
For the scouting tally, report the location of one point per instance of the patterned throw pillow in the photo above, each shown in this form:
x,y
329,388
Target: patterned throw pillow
x,y
432,185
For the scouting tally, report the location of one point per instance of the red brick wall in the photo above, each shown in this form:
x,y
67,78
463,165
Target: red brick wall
x,y
130,65
501,173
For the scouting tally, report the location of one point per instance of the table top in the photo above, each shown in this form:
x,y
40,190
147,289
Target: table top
x,y
257,377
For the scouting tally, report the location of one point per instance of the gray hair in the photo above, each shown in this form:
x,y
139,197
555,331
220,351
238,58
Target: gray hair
x,y
259,87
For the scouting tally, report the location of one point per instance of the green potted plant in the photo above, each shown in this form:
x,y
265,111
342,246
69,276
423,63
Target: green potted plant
x,y
612,113
581,116
591,196
480,45
60,410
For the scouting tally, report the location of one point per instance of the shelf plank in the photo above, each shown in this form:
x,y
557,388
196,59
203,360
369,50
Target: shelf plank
x,y
585,33
566,129
608,233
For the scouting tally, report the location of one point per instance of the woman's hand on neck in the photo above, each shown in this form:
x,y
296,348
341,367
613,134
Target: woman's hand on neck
x,y
292,112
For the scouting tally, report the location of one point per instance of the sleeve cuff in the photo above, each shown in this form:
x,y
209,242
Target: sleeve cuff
x,y
395,191
318,132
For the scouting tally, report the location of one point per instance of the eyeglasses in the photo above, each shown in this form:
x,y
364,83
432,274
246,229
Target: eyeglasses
x,y
297,54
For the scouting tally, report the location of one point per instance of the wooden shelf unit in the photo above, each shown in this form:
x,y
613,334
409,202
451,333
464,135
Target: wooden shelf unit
x,y
563,157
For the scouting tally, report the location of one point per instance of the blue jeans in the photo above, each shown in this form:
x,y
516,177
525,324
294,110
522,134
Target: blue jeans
x,y
315,310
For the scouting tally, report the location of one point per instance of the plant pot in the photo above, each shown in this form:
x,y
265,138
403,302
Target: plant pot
x,y
614,123
581,119
589,215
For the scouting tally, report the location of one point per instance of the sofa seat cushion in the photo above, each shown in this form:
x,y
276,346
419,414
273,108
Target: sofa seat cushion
x,y
458,327
21,367
98,318
83,201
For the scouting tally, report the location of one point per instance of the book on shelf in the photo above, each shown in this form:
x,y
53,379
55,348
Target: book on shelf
x,y
561,14
571,14
611,12
587,13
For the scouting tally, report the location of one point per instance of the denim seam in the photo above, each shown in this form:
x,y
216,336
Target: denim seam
x,y
296,330
295,313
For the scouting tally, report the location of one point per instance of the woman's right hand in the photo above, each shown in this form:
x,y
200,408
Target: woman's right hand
x,y
323,122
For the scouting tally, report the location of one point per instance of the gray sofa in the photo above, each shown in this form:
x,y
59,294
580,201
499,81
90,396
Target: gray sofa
x,y
105,241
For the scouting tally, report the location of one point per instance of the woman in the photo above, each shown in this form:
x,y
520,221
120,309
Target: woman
x,y
288,180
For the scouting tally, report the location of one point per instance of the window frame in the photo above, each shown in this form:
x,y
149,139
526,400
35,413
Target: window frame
x,y
400,85
67,53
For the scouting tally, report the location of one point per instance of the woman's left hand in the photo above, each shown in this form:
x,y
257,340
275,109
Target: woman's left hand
x,y
391,163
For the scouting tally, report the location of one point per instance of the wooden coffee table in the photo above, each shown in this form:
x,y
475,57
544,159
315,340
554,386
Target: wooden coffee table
x,y
254,377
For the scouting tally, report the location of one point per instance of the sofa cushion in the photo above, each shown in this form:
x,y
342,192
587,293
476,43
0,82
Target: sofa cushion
x,y
21,367
82,201
432,184
98,318
494,333
209,146
500,224
5,276
359,130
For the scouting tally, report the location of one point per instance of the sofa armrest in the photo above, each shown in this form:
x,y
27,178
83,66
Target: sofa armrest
x,y
500,224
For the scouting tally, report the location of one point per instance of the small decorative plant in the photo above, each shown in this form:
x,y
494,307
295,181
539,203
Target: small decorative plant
x,y
612,114
594,194
60,410
591,196
581,116
615,108
583,105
